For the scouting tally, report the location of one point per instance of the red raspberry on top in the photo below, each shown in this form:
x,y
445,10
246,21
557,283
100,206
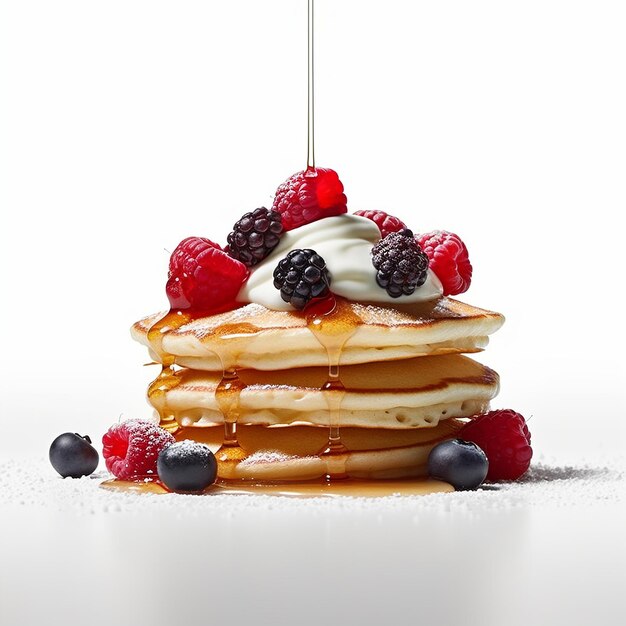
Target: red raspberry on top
x,y
504,437
308,196
131,448
386,223
204,277
449,260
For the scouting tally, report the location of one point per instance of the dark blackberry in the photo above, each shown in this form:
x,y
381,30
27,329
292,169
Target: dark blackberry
x,y
402,265
301,276
254,236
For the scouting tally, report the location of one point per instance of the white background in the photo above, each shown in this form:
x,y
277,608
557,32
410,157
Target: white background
x,y
127,125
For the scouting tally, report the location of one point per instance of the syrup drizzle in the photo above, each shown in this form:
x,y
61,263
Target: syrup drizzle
x,y
227,393
167,379
310,163
333,322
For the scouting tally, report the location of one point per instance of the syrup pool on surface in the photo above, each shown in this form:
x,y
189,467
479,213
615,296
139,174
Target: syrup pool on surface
x,y
311,489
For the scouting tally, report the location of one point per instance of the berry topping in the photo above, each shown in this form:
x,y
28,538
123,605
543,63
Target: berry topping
x,y
401,264
505,438
461,463
308,196
73,455
131,448
254,236
203,277
301,276
448,259
386,223
187,466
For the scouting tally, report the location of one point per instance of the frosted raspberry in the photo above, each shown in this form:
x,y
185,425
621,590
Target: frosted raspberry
x,y
204,277
504,437
308,196
131,448
448,259
386,223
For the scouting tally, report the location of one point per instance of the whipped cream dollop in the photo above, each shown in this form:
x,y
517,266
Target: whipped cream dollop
x,y
345,242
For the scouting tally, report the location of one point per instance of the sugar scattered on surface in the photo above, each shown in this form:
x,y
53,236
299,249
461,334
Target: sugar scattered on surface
x,y
550,483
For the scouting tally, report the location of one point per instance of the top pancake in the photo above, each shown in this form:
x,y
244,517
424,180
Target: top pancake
x,y
259,338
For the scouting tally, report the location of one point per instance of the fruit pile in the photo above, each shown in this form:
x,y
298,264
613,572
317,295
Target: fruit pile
x,y
138,450
493,446
206,278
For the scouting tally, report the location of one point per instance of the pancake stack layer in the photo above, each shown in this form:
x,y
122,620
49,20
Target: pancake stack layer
x,y
359,390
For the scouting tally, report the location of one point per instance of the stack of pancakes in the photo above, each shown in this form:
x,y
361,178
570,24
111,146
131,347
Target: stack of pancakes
x,y
405,384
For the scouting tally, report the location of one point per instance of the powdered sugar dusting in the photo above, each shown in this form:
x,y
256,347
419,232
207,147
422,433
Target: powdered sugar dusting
x,y
190,448
268,456
206,325
381,315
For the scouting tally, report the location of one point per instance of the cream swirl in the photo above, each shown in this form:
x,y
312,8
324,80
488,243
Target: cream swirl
x,y
345,242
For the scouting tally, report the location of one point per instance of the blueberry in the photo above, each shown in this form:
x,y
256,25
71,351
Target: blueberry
x,y
73,455
461,463
187,466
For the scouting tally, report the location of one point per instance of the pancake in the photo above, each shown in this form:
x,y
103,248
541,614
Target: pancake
x,y
292,452
419,393
262,339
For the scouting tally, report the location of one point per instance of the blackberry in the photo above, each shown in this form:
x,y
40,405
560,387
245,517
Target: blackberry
x,y
301,276
402,265
254,236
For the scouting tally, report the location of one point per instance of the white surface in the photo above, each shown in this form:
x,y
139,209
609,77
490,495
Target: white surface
x,y
128,125
548,550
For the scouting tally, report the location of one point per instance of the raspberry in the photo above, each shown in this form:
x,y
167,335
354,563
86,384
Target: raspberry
x,y
254,236
448,259
301,276
401,264
131,448
505,439
203,277
386,223
308,196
